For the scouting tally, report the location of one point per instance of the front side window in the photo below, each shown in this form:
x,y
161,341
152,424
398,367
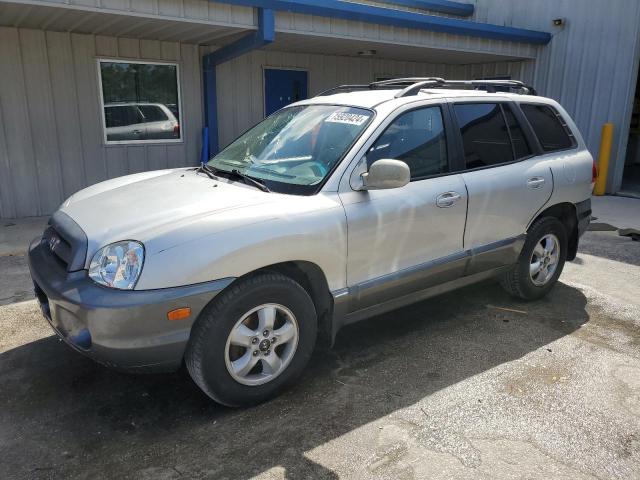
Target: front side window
x,y
141,101
295,149
549,127
417,138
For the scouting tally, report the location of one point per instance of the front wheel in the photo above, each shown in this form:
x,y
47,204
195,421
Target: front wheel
x,y
253,340
540,262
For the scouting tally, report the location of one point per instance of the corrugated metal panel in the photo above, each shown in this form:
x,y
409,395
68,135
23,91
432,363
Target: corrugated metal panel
x,y
591,64
187,28
201,10
52,146
314,25
20,157
240,88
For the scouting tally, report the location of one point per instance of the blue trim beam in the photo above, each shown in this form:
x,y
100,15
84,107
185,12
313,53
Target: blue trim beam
x,y
442,6
399,18
265,35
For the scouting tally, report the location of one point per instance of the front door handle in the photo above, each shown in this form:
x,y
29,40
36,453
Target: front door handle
x,y
535,182
447,199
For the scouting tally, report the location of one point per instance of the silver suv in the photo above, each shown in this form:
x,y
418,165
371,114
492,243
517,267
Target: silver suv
x,y
355,202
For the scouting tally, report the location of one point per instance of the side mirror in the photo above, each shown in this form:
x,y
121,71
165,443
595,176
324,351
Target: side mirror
x,y
386,173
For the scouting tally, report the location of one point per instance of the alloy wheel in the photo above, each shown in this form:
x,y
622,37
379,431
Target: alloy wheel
x,y
544,259
261,344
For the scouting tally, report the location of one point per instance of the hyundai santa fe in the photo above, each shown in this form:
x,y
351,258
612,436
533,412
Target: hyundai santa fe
x,y
355,202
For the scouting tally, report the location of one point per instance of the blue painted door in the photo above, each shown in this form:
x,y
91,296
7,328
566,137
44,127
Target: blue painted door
x,y
282,87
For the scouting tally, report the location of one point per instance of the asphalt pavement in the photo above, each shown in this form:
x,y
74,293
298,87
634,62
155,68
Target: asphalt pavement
x,y
472,384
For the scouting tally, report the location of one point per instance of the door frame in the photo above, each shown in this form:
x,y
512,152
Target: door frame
x,y
264,82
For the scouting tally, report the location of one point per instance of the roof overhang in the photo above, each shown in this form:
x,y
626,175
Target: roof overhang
x,y
326,44
44,15
380,15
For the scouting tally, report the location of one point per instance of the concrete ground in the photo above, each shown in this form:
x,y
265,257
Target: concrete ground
x,y
472,384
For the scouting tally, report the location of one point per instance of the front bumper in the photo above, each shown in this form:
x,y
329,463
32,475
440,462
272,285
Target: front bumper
x,y
124,329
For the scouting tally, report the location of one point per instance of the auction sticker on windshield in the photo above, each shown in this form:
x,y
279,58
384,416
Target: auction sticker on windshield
x,y
349,118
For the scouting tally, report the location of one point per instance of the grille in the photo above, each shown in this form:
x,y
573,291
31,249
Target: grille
x,y
66,242
59,246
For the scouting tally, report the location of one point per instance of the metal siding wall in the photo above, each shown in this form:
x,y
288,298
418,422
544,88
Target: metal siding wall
x,y
51,138
323,26
203,10
590,66
240,89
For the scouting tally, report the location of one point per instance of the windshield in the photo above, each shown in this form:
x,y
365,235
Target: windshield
x,y
293,150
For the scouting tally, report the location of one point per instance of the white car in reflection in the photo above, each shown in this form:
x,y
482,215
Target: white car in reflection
x,y
140,121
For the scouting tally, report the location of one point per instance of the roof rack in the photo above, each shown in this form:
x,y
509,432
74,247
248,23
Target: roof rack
x,y
412,86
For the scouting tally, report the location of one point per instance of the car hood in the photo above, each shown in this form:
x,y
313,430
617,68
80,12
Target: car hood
x,y
165,208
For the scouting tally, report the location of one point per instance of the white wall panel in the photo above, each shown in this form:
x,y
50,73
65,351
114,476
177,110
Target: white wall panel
x,y
590,65
51,137
169,9
240,89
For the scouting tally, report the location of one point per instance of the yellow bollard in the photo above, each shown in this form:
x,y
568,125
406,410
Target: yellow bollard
x,y
603,158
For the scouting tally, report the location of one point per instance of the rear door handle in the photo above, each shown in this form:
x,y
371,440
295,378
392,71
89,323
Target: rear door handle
x,y
535,182
447,199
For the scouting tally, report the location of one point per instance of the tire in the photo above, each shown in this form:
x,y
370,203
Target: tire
x,y
212,352
520,282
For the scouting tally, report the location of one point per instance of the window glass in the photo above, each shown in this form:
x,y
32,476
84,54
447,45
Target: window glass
x,y
549,127
520,145
295,149
140,101
484,134
122,115
152,113
417,138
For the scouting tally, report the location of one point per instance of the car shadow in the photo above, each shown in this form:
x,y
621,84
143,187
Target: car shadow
x,y
610,245
65,416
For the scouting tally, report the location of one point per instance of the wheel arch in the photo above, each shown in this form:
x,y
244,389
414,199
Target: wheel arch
x,y
313,279
567,214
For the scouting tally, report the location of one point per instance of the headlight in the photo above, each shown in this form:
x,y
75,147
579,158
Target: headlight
x,y
118,265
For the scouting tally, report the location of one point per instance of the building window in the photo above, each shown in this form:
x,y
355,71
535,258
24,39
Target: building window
x,y
141,101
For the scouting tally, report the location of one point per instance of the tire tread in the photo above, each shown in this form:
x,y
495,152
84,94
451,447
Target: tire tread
x,y
512,281
197,340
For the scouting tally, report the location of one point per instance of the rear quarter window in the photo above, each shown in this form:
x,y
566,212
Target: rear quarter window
x,y
549,126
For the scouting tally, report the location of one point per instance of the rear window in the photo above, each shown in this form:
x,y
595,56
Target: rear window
x,y
549,127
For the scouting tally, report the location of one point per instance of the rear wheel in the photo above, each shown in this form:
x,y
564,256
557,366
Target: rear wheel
x,y
541,261
253,340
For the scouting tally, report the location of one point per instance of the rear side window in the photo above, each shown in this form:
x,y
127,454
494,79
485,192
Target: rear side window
x,y
417,138
121,115
549,127
485,137
521,148
153,113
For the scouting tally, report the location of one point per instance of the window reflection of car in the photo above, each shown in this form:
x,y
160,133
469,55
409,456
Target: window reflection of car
x,y
140,121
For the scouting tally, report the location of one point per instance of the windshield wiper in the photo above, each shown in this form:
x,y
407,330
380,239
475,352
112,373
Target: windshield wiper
x,y
214,173
251,180
207,169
